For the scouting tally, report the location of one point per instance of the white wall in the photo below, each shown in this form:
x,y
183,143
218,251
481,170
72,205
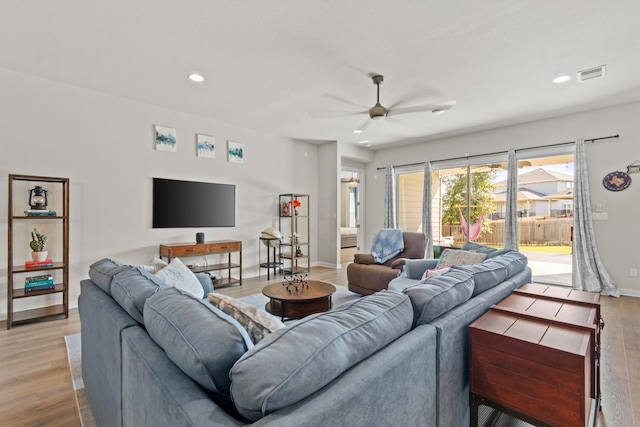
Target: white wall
x,y
617,238
105,145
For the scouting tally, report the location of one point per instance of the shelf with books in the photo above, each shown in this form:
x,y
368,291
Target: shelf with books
x,y
47,281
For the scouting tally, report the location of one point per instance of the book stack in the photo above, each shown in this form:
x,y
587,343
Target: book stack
x,y
38,264
38,283
39,212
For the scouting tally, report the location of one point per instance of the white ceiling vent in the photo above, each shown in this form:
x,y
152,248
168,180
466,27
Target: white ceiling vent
x,y
591,73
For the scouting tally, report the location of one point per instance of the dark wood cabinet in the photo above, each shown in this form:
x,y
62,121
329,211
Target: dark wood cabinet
x,y
535,355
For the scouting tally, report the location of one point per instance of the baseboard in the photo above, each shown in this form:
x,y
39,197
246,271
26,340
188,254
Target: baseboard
x,y
630,293
327,265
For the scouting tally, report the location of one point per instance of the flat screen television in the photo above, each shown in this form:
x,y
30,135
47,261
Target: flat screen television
x,y
193,204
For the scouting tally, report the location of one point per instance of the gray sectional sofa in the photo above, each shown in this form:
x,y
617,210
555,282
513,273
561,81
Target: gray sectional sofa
x,y
155,356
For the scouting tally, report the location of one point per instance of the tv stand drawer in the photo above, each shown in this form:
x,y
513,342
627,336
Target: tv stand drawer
x,y
194,249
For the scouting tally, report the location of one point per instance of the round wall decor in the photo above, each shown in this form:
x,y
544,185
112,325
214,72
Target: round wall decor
x,y
616,181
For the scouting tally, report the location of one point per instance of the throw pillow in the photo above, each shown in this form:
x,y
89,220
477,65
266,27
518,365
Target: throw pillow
x,y
439,294
295,362
179,276
155,265
451,257
434,272
257,322
199,338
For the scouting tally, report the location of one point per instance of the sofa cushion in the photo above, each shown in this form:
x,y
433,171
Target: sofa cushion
x,y
451,257
513,261
179,276
130,288
257,322
199,338
439,294
477,247
485,275
102,272
294,362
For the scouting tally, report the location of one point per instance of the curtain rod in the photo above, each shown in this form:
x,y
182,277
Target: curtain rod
x,y
505,152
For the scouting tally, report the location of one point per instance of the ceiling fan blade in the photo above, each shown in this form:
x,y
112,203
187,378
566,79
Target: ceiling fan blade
x,y
421,108
332,114
345,101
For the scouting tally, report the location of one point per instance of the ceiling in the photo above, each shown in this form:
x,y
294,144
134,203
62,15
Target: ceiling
x,y
273,66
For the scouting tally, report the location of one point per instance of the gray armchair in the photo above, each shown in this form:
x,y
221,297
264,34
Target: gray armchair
x,y
365,277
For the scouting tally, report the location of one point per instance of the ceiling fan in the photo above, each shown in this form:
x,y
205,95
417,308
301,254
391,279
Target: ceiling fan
x,y
379,111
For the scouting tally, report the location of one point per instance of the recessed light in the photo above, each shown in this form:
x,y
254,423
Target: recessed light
x,y
363,142
561,79
195,77
438,111
357,131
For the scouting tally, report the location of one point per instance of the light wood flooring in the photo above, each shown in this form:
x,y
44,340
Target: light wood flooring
x,y
36,390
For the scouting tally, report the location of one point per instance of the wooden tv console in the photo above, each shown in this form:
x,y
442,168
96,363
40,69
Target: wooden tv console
x,y
227,247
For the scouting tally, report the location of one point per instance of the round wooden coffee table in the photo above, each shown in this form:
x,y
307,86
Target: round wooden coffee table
x,y
296,304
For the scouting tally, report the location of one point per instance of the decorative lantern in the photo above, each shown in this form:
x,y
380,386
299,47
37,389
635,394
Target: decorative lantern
x,y
38,198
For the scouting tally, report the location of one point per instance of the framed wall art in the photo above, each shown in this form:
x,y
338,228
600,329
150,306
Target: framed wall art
x,y
165,138
205,146
235,152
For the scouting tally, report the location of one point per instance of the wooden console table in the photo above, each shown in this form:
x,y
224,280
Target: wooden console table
x,y
535,356
228,247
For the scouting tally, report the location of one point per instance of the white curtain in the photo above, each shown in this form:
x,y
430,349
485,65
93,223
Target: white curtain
x,y
511,210
426,210
390,198
589,273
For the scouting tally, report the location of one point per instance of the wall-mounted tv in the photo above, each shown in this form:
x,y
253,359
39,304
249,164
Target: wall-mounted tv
x,y
193,204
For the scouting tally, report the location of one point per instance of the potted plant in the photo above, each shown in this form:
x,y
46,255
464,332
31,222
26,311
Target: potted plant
x,y
38,244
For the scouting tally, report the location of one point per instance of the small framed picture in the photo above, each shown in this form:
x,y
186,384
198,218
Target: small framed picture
x,y
205,146
235,152
165,138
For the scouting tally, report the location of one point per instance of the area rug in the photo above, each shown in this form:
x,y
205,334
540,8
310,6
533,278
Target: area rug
x,y
74,355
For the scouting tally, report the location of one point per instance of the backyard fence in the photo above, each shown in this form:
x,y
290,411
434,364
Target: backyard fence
x,y
552,231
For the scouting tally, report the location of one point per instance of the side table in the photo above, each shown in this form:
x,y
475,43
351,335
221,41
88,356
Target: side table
x,y
535,356
270,243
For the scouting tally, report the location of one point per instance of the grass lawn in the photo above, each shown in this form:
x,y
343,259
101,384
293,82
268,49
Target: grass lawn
x,y
555,249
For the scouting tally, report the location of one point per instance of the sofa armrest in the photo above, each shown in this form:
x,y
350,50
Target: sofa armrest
x,y
399,263
363,259
415,268
205,282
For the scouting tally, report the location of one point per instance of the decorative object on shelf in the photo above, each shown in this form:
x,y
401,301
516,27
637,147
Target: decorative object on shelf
x,y
205,146
296,205
285,209
165,139
616,181
235,152
48,262
299,251
38,198
294,238
38,244
271,236
200,237
296,281
634,167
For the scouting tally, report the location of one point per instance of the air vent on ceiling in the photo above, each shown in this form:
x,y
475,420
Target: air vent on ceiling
x,y
591,73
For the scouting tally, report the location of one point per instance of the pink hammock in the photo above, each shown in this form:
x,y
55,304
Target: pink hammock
x,y
476,227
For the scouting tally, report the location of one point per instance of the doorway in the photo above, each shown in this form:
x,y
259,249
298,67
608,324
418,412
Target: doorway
x,y
351,233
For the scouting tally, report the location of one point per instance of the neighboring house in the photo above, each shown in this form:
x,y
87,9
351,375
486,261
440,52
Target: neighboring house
x,y
541,192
